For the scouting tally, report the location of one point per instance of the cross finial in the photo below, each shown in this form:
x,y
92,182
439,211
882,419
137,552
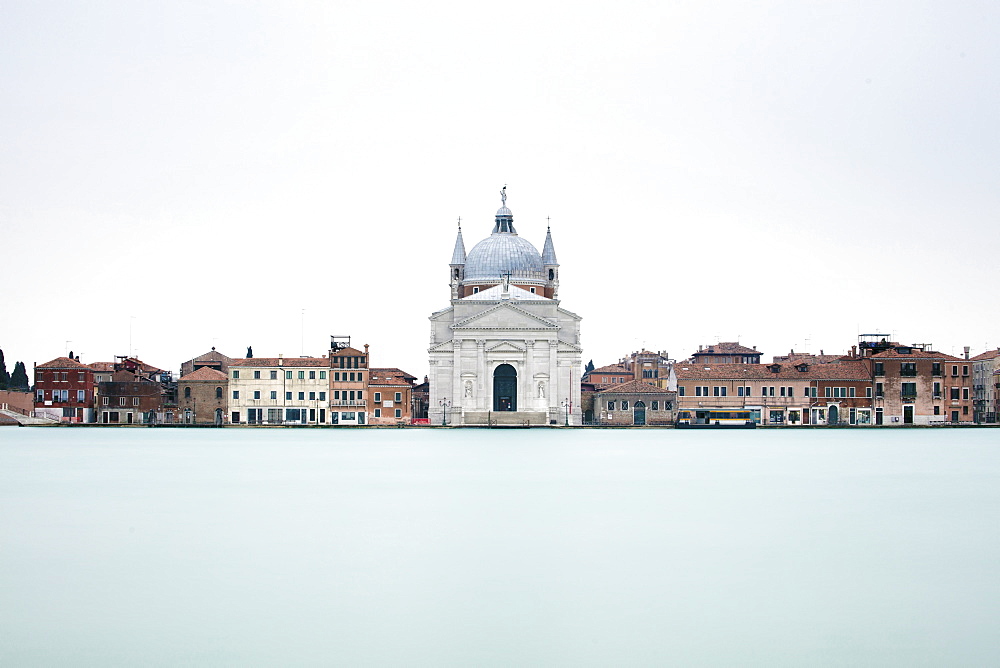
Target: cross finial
x,y
548,222
459,222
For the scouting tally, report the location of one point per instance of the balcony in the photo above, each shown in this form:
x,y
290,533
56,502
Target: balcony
x,y
907,396
349,402
908,373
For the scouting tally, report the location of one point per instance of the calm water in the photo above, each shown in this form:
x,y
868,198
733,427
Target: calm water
x,y
473,547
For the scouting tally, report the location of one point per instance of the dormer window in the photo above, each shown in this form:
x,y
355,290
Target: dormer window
x,y
803,367
775,368
475,290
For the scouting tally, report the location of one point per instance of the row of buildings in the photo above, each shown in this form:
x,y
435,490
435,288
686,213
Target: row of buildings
x,y
878,382
507,352
341,388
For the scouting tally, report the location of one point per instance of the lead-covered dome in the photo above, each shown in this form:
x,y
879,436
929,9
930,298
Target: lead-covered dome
x,y
502,252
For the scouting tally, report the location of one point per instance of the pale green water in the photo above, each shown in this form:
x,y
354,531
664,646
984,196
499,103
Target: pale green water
x,y
479,547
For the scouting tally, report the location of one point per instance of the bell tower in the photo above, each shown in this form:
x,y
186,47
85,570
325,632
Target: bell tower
x,y
551,265
457,267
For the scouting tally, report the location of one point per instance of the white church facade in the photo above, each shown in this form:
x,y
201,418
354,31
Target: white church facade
x,y
505,352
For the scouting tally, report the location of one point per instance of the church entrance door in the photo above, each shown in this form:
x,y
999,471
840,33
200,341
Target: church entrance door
x,y
505,388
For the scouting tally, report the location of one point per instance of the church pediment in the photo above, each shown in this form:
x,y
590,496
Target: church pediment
x,y
505,316
568,348
505,347
444,345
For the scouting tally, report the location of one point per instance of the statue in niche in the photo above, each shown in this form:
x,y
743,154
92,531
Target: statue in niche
x,y
541,389
468,389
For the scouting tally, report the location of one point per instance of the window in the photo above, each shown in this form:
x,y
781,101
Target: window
x,y
288,375
256,394
79,376
475,290
681,391
879,390
791,391
312,396
827,392
104,401
783,391
701,391
739,391
965,410
908,391
236,373
121,401
532,292
936,369
336,375
908,369
378,397
719,391
302,396
656,405
236,417
770,391
274,394
879,368
965,393
135,401
965,370
954,393
336,394
288,396
378,412
302,375
81,395
611,406
399,397
352,376
868,392
322,396
937,410
954,370
399,411
236,394
312,375
322,375
274,374
218,393
256,375
624,405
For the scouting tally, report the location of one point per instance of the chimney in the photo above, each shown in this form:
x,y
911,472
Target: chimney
x,y
854,351
366,349
281,359
966,352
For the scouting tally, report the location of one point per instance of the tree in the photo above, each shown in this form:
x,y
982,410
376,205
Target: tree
x,y
590,367
4,376
19,379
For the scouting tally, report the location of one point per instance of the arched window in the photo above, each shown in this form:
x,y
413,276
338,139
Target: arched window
x,y
552,274
218,393
187,392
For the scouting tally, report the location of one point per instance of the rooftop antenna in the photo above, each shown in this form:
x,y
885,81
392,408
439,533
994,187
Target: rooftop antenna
x,y
67,346
130,319
302,335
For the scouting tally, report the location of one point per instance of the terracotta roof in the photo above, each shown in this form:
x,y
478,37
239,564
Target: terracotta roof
x,y
988,355
633,387
727,348
348,351
285,362
102,366
63,363
611,368
915,354
211,356
808,358
394,370
841,371
204,373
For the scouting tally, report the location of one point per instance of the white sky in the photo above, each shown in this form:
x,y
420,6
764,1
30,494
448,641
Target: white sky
x,y
788,174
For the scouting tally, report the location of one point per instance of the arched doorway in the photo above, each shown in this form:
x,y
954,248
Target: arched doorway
x,y
833,415
505,388
218,417
639,413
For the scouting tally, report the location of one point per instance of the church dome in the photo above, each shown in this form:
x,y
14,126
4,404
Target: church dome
x,y
504,252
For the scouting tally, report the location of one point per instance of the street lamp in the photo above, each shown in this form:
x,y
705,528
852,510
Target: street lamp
x,y
445,404
566,404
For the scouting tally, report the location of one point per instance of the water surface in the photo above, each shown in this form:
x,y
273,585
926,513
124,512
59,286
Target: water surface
x,y
488,547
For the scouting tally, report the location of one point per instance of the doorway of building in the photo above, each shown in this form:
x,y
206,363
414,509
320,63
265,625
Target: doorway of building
x,y
505,388
218,417
907,414
833,415
639,414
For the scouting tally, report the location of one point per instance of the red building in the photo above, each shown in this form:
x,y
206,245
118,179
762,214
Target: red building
x,y
64,390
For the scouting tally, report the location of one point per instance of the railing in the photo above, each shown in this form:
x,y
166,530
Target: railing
x,y
908,373
907,397
349,402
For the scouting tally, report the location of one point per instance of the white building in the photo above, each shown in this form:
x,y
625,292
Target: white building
x,y
505,351
279,390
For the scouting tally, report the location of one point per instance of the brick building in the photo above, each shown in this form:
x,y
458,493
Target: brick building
x,y
634,403
918,386
202,397
725,352
390,394
130,398
349,376
64,390
213,359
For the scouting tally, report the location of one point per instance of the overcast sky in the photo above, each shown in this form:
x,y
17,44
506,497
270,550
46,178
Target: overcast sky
x,y
785,174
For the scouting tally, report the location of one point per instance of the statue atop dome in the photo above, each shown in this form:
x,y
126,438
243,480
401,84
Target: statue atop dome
x,y
503,196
